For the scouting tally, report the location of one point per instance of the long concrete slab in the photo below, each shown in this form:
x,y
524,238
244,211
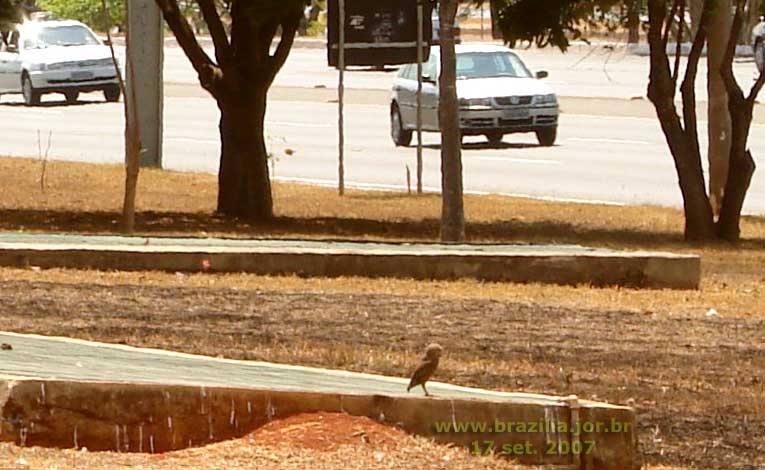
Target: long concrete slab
x,y
516,263
71,393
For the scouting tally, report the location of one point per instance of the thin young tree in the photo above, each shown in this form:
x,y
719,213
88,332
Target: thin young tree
x,y
452,211
132,125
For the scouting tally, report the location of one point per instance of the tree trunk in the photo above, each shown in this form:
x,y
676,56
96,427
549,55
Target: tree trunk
x,y
452,211
699,221
719,123
742,164
132,125
244,186
633,21
739,178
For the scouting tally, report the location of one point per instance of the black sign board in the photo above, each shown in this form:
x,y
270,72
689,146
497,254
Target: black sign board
x,y
378,32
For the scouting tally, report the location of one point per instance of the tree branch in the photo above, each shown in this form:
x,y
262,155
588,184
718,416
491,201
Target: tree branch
x,y
217,31
756,88
670,21
679,44
209,74
688,88
726,71
289,24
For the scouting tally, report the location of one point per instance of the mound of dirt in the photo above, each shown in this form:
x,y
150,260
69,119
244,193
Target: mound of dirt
x,y
326,432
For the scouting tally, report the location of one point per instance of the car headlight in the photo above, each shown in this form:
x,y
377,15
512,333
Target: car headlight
x,y
545,99
38,67
475,103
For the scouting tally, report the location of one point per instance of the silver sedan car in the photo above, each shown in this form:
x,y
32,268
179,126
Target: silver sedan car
x,y
497,94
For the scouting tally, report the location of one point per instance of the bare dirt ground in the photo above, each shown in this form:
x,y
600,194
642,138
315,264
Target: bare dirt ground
x,y
696,380
310,441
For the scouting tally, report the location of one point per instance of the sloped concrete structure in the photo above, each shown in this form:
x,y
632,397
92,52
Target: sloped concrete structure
x,y
69,393
514,263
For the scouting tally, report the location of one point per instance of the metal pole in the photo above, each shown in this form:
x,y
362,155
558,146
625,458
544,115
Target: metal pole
x,y
419,96
482,5
340,101
146,49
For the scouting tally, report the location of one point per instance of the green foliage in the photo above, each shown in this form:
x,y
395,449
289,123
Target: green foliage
x,y
548,22
89,12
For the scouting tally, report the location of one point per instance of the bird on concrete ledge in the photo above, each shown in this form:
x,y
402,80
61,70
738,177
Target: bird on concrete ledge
x,y
426,368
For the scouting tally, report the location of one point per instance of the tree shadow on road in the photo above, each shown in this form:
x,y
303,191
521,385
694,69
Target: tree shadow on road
x,y
488,146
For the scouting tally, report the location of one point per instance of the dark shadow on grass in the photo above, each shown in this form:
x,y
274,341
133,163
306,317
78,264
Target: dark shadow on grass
x,y
202,225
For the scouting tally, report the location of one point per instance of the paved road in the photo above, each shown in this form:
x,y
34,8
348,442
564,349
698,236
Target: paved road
x,y
608,150
602,158
595,72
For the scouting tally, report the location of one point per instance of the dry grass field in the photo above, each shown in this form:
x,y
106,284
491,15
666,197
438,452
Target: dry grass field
x,y
696,380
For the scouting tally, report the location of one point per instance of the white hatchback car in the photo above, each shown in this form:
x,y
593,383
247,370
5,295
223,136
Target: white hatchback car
x,y
56,57
497,96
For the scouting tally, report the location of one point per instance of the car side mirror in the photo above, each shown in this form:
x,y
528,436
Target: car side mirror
x,y
542,74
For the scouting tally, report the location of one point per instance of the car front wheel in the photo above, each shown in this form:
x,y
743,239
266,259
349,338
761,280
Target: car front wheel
x,y
31,96
401,137
759,55
547,136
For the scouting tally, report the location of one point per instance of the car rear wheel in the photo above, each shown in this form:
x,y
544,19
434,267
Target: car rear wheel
x,y
759,55
112,94
31,96
71,96
547,136
495,138
401,137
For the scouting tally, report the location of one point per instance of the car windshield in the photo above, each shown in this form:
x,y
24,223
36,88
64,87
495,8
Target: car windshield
x,y
490,64
60,36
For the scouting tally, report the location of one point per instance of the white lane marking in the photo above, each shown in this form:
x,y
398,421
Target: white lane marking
x,y
184,140
608,141
518,160
431,189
